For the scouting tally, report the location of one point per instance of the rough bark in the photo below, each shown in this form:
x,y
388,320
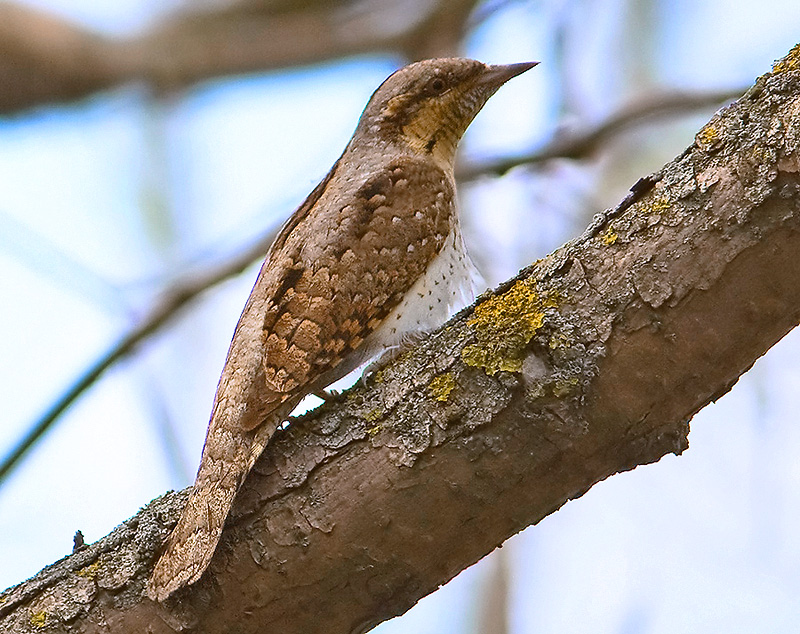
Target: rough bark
x,y
46,59
591,362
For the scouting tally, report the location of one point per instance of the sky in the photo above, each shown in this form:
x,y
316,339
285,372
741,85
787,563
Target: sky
x,y
103,200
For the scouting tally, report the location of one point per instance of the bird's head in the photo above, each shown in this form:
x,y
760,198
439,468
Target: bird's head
x,y
428,105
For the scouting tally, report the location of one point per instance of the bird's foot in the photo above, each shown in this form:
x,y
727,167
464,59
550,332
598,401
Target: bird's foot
x,y
381,361
328,395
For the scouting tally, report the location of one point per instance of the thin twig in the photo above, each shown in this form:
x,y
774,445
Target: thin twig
x,y
581,144
168,306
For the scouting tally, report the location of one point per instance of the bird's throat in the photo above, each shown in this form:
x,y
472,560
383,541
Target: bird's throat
x,y
425,135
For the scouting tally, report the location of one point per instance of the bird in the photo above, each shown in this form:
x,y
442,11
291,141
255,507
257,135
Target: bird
x,y
373,256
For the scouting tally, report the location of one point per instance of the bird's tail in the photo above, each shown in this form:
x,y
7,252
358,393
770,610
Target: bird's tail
x,y
228,456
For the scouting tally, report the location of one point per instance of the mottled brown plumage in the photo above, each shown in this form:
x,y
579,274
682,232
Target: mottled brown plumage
x,y
372,254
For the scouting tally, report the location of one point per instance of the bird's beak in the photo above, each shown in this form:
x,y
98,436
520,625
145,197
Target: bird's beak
x,y
495,76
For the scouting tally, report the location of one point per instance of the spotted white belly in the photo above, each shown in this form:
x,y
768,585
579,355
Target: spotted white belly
x,y
448,285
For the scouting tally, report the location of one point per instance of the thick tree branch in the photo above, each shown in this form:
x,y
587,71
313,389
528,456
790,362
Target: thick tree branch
x,y
46,59
589,363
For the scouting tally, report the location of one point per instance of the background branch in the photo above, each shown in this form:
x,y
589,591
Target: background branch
x,y
581,144
168,306
47,59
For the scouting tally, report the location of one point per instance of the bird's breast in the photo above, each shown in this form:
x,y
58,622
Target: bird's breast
x,y
448,284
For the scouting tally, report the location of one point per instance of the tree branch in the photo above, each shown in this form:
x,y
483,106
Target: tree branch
x,y
46,59
581,144
590,362
168,306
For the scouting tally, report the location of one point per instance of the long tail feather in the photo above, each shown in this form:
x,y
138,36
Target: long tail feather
x,y
228,456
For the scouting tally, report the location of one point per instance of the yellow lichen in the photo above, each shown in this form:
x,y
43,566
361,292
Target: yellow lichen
x,y
707,137
760,154
609,236
441,386
90,571
373,415
560,340
504,325
657,204
39,619
788,63
565,387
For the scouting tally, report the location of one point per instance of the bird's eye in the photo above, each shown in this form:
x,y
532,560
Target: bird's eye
x,y
438,85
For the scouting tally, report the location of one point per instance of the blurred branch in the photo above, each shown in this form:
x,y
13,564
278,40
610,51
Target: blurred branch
x,y
45,59
495,603
42,256
165,309
581,144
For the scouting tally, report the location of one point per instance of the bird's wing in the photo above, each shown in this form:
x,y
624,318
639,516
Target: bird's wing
x,y
331,294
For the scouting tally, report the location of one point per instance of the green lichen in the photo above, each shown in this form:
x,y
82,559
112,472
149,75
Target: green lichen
x,y
790,62
39,619
504,326
441,386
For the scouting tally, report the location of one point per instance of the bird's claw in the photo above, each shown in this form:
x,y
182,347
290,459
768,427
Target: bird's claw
x,y
328,395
